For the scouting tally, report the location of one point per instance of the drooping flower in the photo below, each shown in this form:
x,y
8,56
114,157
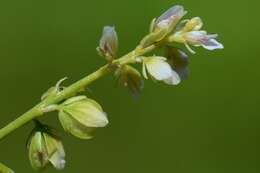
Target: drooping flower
x,y
45,148
160,70
80,116
130,78
178,60
108,44
189,33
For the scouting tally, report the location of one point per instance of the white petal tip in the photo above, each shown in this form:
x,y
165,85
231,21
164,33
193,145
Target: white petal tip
x,y
213,44
174,79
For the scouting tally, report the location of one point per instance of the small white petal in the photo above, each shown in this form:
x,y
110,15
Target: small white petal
x,y
158,68
174,79
212,44
58,159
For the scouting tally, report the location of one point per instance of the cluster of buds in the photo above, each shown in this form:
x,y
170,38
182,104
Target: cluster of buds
x,y
80,116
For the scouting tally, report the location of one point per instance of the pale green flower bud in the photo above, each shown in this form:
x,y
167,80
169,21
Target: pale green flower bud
x,y
80,116
129,77
5,169
108,44
45,148
160,70
178,60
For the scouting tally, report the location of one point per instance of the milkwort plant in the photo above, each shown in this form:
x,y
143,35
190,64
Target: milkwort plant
x,y
81,116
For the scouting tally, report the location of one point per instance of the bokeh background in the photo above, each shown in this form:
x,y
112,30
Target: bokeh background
x,y
207,124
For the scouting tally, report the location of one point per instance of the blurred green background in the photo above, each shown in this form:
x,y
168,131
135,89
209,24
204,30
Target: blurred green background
x,y
207,124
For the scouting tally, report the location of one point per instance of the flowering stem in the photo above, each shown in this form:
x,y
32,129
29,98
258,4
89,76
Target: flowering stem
x,y
40,109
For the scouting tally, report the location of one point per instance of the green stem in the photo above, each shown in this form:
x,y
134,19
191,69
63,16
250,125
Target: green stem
x,y
73,89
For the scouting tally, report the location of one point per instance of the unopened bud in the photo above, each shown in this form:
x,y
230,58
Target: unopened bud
x,y
45,148
108,44
80,116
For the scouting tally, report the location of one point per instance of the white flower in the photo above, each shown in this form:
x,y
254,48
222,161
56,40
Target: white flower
x,y
201,38
160,70
189,33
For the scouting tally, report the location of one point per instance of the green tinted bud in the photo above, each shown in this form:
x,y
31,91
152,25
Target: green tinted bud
x,y
80,116
129,77
45,148
37,152
5,169
108,44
